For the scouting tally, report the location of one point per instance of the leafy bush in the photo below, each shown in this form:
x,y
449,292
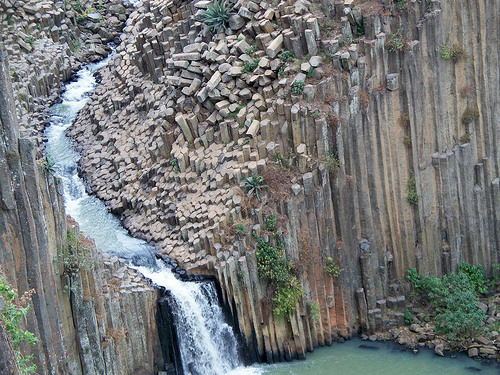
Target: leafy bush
x,y
408,317
475,274
73,256
271,222
175,165
250,66
12,314
454,53
453,300
271,263
396,42
412,197
461,319
469,115
254,185
287,55
241,229
216,17
332,268
298,87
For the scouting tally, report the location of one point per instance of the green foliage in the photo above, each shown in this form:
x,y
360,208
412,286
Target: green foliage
x,y
241,229
271,263
286,55
12,314
332,162
282,161
310,72
314,311
453,299
402,4
175,164
408,317
496,274
271,223
453,52
469,115
251,51
73,256
49,165
75,45
461,319
475,274
250,66
254,185
396,42
360,30
216,17
332,268
412,197
298,87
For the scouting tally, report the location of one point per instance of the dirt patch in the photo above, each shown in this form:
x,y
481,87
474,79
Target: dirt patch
x,y
279,180
370,7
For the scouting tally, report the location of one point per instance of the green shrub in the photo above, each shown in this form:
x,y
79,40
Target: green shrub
x,y
412,197
469,115
12,313
241,229
314,311
271,223
396,42
402,4
461,318
408,317
332,162
287,55
475,274
298,87
175,164
271,263
250,66
332,268
254,185
216,17
73,256
454,53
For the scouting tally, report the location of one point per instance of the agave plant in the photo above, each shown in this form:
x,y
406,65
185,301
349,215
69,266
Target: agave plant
x,y
254,184
216,17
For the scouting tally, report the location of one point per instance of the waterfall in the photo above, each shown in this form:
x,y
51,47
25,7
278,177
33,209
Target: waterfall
x,y
206,342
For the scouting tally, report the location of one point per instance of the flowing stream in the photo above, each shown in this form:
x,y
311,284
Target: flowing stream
x,y
206,342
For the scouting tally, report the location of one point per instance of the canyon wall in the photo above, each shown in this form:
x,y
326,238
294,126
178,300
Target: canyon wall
x,y
99,320
387,158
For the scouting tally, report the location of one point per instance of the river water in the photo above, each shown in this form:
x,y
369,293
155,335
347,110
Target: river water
x,y
207,343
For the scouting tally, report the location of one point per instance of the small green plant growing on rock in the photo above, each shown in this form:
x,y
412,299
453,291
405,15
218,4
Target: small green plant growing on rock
x,y
271,223
453,52
286,55
251,51
240,229
412,197
332,268
475,274
332,162
12,313
49,165
250,66
402,4
396,42
216,17
175,164
314,311
464,139
73,256
298,87
254,185
408,317
469,115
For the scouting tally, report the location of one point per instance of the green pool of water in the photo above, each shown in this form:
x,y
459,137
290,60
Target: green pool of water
x,y
357,357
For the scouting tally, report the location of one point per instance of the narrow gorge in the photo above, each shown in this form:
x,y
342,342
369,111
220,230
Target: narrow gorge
x,y
302,157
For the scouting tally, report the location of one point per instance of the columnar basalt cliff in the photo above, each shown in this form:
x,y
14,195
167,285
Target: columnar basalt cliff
x,y
385,158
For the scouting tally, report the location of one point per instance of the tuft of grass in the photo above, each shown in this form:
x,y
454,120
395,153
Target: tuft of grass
x,y
396,42
250,66
470,115
412,197
453,52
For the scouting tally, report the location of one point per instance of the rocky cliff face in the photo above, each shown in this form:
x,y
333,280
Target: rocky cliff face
x,y
392,144
98,321
385,160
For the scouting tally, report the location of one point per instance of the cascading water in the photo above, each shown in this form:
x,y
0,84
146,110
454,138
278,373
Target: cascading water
x,y
206,342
